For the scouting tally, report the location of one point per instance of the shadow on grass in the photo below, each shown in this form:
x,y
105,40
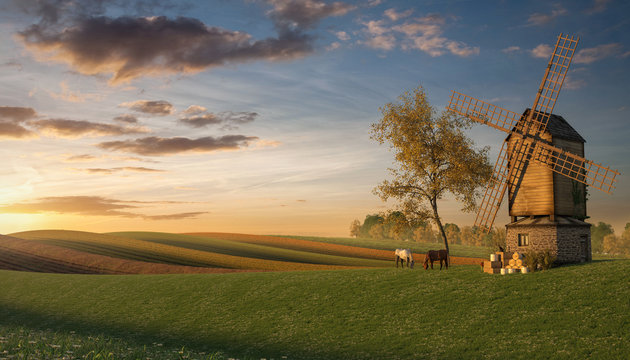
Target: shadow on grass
x,y
11,316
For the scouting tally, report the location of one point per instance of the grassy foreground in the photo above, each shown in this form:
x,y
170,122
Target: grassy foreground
x,y
570,312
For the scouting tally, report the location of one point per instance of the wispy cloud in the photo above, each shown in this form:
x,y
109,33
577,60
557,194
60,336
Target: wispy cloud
x,y
542,51
89,205
424,34
151,107
230,119
119,169
539,19
511,49
590,55
66,128
73,96
126,118
598,6
11,122
158,146
304,14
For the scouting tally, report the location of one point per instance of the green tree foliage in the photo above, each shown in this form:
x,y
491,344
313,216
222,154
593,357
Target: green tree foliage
x,y
598,232
433,157
370,220
453,233
355,228
397,226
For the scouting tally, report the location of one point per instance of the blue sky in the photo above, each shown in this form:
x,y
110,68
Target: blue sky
x,y
254,116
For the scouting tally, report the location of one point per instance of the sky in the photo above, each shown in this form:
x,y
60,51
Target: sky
x,y
253,116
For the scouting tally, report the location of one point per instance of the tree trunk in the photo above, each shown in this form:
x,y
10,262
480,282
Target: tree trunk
x,y
436,217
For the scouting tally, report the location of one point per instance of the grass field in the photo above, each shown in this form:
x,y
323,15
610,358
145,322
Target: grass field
x,y
571,312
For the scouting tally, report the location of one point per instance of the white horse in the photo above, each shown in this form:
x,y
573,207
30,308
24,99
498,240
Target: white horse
x,y
402,255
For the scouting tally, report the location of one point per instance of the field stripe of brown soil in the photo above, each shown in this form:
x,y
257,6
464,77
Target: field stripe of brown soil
x,y
25,255
324,248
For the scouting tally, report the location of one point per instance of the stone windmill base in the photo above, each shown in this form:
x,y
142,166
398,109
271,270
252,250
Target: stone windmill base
x,y
567,237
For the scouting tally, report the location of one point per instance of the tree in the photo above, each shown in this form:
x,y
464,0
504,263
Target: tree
x,y
432,155
370,220
398,227
376,231
598,232
355,228
453,233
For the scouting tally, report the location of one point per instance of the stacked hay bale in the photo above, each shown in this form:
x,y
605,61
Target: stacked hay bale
x,y
515,264
499,265
494,265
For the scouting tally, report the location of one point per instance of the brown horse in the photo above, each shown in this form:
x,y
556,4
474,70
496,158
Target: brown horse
x,y
434,255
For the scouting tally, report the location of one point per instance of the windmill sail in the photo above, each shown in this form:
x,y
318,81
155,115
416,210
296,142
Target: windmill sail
x,y
483,112
552,82
576,167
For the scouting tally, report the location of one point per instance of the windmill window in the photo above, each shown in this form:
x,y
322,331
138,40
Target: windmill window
x,y
523,239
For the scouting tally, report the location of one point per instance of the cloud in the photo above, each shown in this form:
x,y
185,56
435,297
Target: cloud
x,y
573,84
157,146
424,34
81,158
88,205
598,6
119,169
542,51
203,120
76,128
333,46
395,16
342,35
229,118
9,130
511,49
304,14
126,118
156,46
157,107
17,114
11,119
590,55
539,19
67,95
194,110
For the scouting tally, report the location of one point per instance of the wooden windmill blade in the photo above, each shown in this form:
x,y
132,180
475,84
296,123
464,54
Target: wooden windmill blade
x,y
576,167
508,172
483,112
551,84
495,191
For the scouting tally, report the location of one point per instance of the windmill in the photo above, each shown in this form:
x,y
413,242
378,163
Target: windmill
x,y
541,166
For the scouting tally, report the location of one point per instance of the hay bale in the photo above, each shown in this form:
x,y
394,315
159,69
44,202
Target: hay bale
x,y
512,262
510,271
503,271
517,256
519,263
492,264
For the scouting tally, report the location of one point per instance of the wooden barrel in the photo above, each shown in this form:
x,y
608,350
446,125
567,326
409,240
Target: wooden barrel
x,y
524,269
493,257
503,271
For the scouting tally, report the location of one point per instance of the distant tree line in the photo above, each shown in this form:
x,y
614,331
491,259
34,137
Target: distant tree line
x,y
394,225
604,240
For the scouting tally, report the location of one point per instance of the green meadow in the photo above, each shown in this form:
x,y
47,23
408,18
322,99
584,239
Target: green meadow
x,y
570,312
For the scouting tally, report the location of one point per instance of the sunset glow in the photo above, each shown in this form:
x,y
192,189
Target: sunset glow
x,y
254,116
